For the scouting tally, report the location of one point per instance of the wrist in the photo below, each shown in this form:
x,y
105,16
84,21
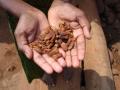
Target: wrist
x,y
34,12
59,2
26,8
17,7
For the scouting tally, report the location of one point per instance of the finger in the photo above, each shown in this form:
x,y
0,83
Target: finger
x,y
28,51
62,62
62,52
68,59
80,42
21,38
85,26
74,25
75,61
22,44
31,36
57,68
43,25
54,21
41,62
81,46
77,32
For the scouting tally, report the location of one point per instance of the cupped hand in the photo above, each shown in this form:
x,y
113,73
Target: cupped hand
x,y
30,25
63,11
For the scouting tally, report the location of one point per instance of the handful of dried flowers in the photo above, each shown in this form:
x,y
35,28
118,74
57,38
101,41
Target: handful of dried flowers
x,y
51,40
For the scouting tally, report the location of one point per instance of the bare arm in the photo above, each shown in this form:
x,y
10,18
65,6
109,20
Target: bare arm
x,y
31,22
17,7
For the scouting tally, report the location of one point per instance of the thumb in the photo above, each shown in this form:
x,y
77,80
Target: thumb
x,y
43,25
85,26
23,44
27,51
54,21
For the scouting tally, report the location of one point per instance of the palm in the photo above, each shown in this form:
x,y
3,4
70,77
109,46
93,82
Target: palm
x,y
80,25
29,27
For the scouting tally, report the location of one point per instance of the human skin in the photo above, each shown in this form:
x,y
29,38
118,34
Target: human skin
x,y
62,10
33,21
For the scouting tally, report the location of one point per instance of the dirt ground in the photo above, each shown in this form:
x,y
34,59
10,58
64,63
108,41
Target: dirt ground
x,y
11,71
109,12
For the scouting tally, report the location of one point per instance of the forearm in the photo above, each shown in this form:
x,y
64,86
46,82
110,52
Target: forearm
x,y
58,2
17,7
